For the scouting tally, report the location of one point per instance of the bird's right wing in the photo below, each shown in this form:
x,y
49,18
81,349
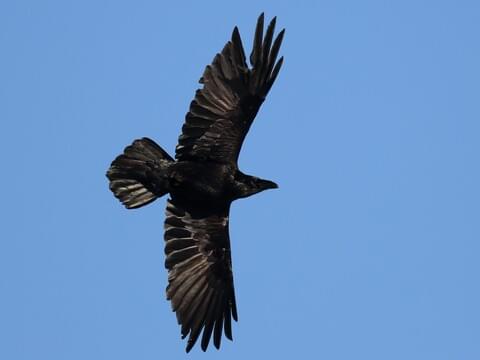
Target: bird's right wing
x,y
200,281
222,111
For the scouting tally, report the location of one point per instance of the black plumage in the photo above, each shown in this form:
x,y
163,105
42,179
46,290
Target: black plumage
x,y
202,181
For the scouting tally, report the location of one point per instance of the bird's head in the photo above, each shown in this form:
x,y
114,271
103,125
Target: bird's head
x,y
246,185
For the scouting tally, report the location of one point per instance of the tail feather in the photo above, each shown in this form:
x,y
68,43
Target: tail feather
x,y
139,175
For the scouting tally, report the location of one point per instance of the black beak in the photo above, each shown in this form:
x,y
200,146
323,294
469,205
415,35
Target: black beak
x,y
267,184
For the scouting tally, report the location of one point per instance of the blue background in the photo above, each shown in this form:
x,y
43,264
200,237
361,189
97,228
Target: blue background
x,y
369,249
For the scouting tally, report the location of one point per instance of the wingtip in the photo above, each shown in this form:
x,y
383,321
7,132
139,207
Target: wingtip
x,y
273,22
261,21
236,39
190,344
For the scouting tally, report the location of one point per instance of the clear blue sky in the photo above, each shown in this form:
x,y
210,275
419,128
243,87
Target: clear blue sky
x,y
369,249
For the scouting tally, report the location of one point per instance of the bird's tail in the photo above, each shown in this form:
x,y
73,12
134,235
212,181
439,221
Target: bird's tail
x,y
139,175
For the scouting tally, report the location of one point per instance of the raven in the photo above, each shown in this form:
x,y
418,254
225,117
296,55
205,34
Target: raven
x,y
202,181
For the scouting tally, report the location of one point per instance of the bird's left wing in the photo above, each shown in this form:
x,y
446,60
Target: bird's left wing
x,y
223,110
200,281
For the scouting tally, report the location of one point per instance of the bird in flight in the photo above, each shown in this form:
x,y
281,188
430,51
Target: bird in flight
x,y
202,181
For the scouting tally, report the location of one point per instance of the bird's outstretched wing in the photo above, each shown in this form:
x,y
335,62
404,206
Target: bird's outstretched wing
x,y
223,110
200,282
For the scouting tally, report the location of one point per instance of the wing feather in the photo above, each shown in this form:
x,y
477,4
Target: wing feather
x,y
188,309
257,41
199,319
217,334
210,320
227,325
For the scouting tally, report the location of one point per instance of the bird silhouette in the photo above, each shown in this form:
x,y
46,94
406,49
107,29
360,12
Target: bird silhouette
x,y
202,181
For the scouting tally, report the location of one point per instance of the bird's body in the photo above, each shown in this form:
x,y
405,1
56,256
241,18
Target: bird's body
x,y
202,182
212,183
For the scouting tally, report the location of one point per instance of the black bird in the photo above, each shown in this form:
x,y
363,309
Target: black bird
x,y
202,181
